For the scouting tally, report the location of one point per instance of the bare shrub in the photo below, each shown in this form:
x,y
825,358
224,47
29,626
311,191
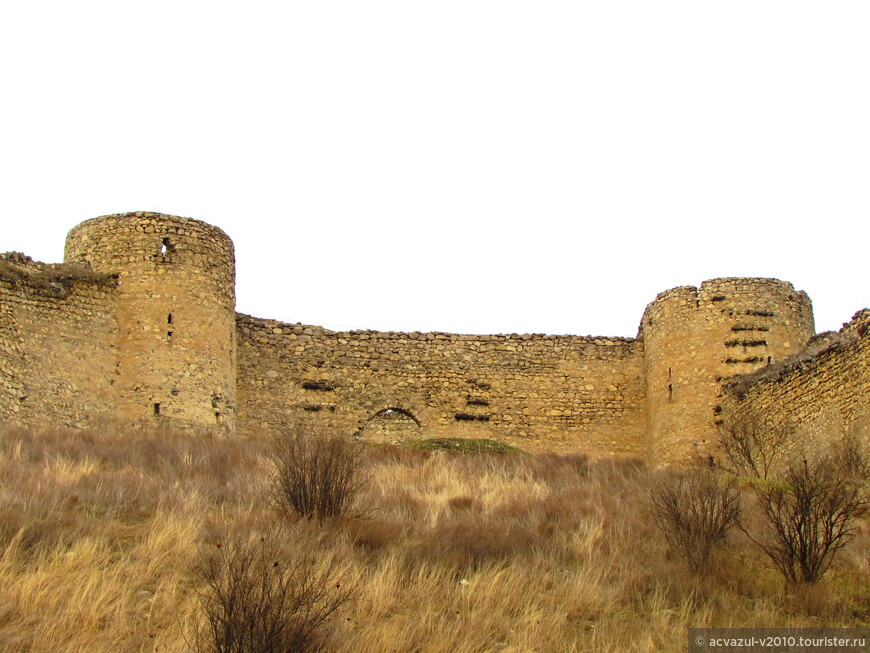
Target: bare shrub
x,y
810,514
852,455
694,509
751,447
316,474
266,594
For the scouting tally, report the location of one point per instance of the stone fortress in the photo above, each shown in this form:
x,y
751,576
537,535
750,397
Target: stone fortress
x,y
138,327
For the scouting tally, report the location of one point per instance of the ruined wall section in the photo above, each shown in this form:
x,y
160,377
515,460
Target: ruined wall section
x,y
176,315
695,338
822,390
58,337
562,393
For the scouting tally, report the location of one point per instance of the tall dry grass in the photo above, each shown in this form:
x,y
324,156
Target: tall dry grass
x,y
100,534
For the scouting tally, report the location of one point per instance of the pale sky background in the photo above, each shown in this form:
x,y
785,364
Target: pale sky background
x,y
465,166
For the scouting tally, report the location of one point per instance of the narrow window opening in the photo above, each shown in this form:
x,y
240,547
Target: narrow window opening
x,y
166,247
169,334
156,409
769,360
670,392
169,319
669,372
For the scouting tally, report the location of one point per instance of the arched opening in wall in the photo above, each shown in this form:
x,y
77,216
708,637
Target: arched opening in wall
x,y
391,425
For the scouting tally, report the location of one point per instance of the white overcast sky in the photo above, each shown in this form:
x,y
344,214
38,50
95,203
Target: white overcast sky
x,y
466,166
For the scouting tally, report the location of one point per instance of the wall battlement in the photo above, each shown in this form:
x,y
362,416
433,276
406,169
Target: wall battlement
x,y
138,325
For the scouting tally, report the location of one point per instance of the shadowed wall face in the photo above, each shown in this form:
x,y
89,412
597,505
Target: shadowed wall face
x,y
820,392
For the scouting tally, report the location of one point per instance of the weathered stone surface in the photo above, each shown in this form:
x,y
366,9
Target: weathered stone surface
x,y
824,389
696,338
139,325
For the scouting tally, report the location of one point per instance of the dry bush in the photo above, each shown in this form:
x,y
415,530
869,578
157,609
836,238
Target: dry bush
x,y
269,593
851,454
810,514
694,509
317,474
753,447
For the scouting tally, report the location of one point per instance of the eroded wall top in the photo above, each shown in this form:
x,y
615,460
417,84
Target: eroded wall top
x,y
58,339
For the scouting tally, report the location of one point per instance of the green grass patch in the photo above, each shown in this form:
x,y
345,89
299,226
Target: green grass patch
x,y
461,445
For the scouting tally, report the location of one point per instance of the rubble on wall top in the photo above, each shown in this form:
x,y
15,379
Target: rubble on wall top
x,y
820,346
279,328
18,266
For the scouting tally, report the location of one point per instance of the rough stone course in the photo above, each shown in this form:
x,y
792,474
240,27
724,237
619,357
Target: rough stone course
x,y
138,326
824,389
535,391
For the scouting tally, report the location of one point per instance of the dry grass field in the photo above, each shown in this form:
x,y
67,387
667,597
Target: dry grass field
x,y
104,537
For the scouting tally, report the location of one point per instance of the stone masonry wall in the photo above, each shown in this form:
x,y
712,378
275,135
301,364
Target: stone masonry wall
x,y
822,390
697,337
58,337
564,393
176,315
139,324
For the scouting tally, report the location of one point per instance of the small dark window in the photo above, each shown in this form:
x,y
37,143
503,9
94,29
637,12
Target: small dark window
x,y
169,319
670,392
169,334
166,247
156,409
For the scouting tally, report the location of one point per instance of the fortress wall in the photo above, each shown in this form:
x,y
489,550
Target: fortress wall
x,y
58,335
697,337
562,393
176,315
139,324
820,391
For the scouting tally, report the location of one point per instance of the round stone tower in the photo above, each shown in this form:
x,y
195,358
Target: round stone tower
x,y
695,338
176,315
